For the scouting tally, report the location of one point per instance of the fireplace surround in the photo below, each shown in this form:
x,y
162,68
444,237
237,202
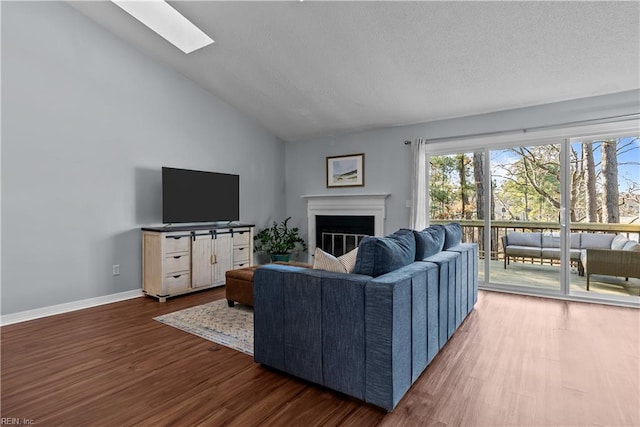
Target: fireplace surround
x,y
344,205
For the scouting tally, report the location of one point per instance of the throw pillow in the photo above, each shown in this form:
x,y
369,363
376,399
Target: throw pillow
x,y
429,241
349,260
519,238
342,264
632,245
619,242
380,255
452,235
596,240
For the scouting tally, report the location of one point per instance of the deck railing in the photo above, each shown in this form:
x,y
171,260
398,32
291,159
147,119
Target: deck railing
x,y
473,231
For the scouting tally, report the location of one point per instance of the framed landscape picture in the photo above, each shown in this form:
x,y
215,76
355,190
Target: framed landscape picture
x,y
345,171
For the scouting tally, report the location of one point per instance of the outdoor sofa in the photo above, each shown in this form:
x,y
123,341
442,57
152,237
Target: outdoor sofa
x,y
622,259
603,253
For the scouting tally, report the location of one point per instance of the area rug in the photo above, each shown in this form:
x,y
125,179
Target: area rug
x,y
215,321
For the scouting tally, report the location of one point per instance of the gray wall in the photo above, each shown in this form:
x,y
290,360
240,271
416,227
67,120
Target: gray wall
x,y
87,123
387,159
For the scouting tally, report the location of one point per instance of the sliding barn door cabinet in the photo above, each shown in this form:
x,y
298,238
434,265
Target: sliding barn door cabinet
x,y
182,259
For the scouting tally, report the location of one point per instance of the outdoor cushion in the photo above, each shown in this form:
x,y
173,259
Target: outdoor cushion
x,y
514,250
619,242
575,253
583,258
552,240
429,241
380,255
596,241
632,246
575,241
551,253
519,238
554,253
452,235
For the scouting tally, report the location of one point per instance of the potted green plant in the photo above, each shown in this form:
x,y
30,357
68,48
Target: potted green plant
x,y
280,241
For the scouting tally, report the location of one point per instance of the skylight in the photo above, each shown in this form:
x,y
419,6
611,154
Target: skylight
x,y
159,16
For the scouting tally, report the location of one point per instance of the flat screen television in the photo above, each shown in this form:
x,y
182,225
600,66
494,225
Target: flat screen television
x,y
199,196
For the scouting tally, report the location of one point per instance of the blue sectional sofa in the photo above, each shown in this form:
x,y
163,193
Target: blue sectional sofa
x,y
371,333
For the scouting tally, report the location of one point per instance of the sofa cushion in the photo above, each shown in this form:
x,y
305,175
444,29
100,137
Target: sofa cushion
x,y
619,242
342,264
519,238
531,251
550,253
380,255
575,254
452,235
552,240
429,241
575,241
631,245
596,241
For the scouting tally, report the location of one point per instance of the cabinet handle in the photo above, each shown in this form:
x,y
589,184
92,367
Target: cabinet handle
x,y
241,249
176,257
177,237
175,277
213,259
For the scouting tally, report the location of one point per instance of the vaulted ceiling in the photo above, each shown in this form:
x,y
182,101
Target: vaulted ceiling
x,y
315,68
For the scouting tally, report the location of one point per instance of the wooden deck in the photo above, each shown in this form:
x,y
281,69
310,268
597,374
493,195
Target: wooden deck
x,y
548,277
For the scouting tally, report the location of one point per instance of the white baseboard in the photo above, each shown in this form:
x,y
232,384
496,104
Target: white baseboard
x,y
37,313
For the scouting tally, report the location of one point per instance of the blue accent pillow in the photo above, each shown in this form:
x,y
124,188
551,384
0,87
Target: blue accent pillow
x,y
429,241
452,235
380,255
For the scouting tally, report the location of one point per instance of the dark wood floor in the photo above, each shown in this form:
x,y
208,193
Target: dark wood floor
x,y
515,361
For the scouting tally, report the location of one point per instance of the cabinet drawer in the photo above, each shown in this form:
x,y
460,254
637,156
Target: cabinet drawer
x,y
240,264
176,283
176,243
176,263
240,254
241,238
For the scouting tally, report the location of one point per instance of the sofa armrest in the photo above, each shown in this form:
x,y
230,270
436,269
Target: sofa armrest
x,y
612,262
269,284
390,320
310,323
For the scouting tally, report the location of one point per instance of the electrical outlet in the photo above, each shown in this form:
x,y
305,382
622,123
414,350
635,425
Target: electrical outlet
x,y
116,269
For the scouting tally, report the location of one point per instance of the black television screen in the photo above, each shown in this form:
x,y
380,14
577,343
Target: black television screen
x,y
198,196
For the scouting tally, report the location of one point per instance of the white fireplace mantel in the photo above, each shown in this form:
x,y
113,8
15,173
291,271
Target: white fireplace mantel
x,y
345,204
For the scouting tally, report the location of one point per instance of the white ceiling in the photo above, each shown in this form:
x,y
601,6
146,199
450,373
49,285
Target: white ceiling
x,y
312,68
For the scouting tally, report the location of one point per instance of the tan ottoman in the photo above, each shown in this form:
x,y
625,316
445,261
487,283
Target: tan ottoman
x,y
239,283
239,286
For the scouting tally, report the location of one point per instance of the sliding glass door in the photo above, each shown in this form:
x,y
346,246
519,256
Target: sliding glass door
x,y
536,209
526,227
457,193
605,212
